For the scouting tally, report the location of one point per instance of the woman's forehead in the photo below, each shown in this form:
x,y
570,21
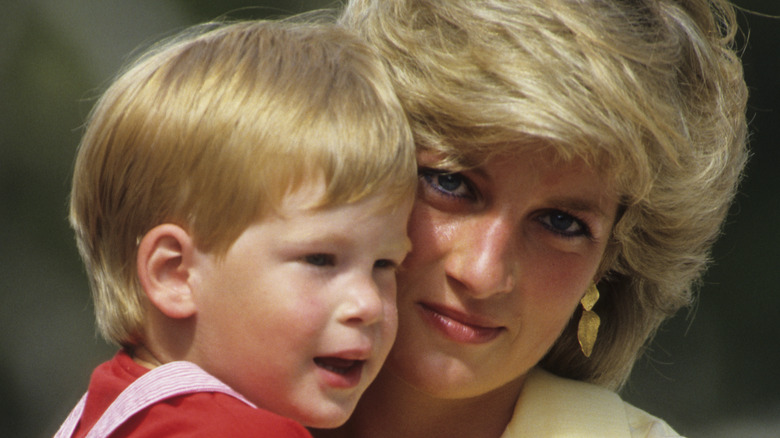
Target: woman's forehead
x,y
462,157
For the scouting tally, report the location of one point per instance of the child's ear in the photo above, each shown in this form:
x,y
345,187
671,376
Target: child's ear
x,y
165,257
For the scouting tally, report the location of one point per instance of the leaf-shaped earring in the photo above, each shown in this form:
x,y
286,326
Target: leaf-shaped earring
x,y
588,329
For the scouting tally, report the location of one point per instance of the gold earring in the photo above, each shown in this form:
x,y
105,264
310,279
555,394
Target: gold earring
x,y
589,322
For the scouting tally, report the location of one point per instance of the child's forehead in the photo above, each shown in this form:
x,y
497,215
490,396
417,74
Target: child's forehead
x,y
308,195
374,220
316,204
311,196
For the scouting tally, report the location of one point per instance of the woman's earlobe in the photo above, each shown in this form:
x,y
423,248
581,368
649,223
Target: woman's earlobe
x,y
163,264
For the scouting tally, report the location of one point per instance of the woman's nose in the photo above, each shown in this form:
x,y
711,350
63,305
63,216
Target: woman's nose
x,y
484,256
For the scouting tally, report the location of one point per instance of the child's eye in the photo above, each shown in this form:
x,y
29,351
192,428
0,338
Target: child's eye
x,y
320,259
385,264
446,183
564,224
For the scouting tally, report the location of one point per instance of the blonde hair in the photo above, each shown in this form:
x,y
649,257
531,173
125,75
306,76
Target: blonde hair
x,y
650,92
212,129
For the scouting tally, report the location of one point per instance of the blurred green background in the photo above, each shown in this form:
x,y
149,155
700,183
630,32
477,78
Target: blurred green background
x,y
712,372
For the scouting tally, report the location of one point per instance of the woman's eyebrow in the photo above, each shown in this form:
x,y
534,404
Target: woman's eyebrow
x,y
585,205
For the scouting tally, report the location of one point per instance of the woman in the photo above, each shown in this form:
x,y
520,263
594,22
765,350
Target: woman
x,y
577,159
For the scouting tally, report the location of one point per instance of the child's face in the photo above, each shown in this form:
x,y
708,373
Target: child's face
x,y
300,313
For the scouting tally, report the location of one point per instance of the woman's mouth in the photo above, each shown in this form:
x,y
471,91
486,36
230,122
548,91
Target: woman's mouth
x,y
458,327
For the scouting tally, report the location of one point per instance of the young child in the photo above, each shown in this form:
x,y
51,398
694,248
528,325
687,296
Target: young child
x,y
240,200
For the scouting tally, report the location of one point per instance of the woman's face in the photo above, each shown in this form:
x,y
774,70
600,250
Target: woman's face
x,y
502,254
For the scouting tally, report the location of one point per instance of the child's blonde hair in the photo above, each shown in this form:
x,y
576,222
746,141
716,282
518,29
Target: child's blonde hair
x,y
211,130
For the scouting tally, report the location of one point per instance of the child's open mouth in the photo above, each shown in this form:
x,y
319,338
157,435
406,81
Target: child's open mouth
x,y
337,364
343,373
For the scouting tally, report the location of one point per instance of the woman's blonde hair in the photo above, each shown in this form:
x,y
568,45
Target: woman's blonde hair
x,y
650,91
213,128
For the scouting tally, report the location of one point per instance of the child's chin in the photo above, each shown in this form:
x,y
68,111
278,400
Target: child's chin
x,y
331,420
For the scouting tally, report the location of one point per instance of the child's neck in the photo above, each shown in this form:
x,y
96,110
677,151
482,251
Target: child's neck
x,y
142,356
392,408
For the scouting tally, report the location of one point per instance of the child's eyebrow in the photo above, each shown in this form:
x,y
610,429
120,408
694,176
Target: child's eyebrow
x,y
314,238
343,240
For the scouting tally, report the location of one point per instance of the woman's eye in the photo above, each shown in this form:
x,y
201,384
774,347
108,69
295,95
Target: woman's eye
x,y
564,224
449,184
320,259
449,181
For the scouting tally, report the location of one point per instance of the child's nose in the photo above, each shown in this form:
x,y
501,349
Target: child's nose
x,y
363,304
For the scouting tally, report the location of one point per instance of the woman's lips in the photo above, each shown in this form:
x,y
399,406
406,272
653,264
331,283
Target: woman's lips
x,y
457,326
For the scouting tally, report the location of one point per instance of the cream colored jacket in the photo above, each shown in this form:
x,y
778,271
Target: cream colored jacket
x,y
551,406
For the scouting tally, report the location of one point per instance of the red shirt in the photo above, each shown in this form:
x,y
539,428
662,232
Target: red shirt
x,y
203,414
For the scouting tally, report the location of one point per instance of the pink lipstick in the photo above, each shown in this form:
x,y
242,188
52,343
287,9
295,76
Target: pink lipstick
x,y
458,326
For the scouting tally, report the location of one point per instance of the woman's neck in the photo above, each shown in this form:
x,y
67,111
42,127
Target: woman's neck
x,y
392,408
